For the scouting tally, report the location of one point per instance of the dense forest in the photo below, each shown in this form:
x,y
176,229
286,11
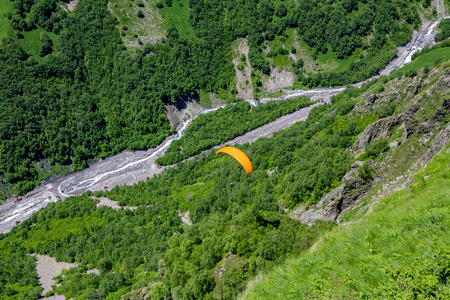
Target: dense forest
x,y
84,96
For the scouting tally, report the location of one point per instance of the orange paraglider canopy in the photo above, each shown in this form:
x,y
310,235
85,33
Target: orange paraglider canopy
x,y
239,156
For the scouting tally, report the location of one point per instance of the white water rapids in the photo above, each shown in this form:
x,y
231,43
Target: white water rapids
x,y
419,44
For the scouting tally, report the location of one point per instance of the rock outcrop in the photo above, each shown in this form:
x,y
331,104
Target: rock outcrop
x,y
381,129
425,133
338,200
185,108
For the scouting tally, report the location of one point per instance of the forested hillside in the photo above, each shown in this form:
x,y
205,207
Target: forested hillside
x,y
236,231
70,91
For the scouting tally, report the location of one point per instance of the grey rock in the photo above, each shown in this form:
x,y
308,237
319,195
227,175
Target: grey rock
x,y
381,129
442,138
339,199
425,127
393,145
371,99
439,114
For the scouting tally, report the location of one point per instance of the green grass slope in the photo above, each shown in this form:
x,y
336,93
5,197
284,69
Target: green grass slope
x,y
5,24
399,250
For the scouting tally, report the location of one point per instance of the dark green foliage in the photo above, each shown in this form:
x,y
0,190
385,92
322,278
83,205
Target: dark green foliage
x,y
283,51
281,10
44,13
140,14
213,129
401,34
47,45
365,172
386,110
376,147
444,33
319,25
258,62
87,98
17,272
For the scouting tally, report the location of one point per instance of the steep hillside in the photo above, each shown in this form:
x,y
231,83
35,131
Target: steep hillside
x,y
194,235
399,250
394,246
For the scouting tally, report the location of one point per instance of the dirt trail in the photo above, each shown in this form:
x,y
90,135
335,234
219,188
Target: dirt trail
x,y
128,168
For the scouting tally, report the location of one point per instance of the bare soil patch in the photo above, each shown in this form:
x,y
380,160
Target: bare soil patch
x,y
70,5
279,79
185,218
243,77
47,267
93,271
112,204
148,29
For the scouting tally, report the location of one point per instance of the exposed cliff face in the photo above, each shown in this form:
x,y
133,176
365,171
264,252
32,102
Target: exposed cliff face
x,y
417,131
185,108
381,129
337,200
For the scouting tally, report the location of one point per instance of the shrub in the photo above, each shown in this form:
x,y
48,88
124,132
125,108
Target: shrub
x,y
386,110
365,172
49,293
375,148
282,51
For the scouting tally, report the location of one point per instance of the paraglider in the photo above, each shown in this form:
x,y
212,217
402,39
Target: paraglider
x,y
239,156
